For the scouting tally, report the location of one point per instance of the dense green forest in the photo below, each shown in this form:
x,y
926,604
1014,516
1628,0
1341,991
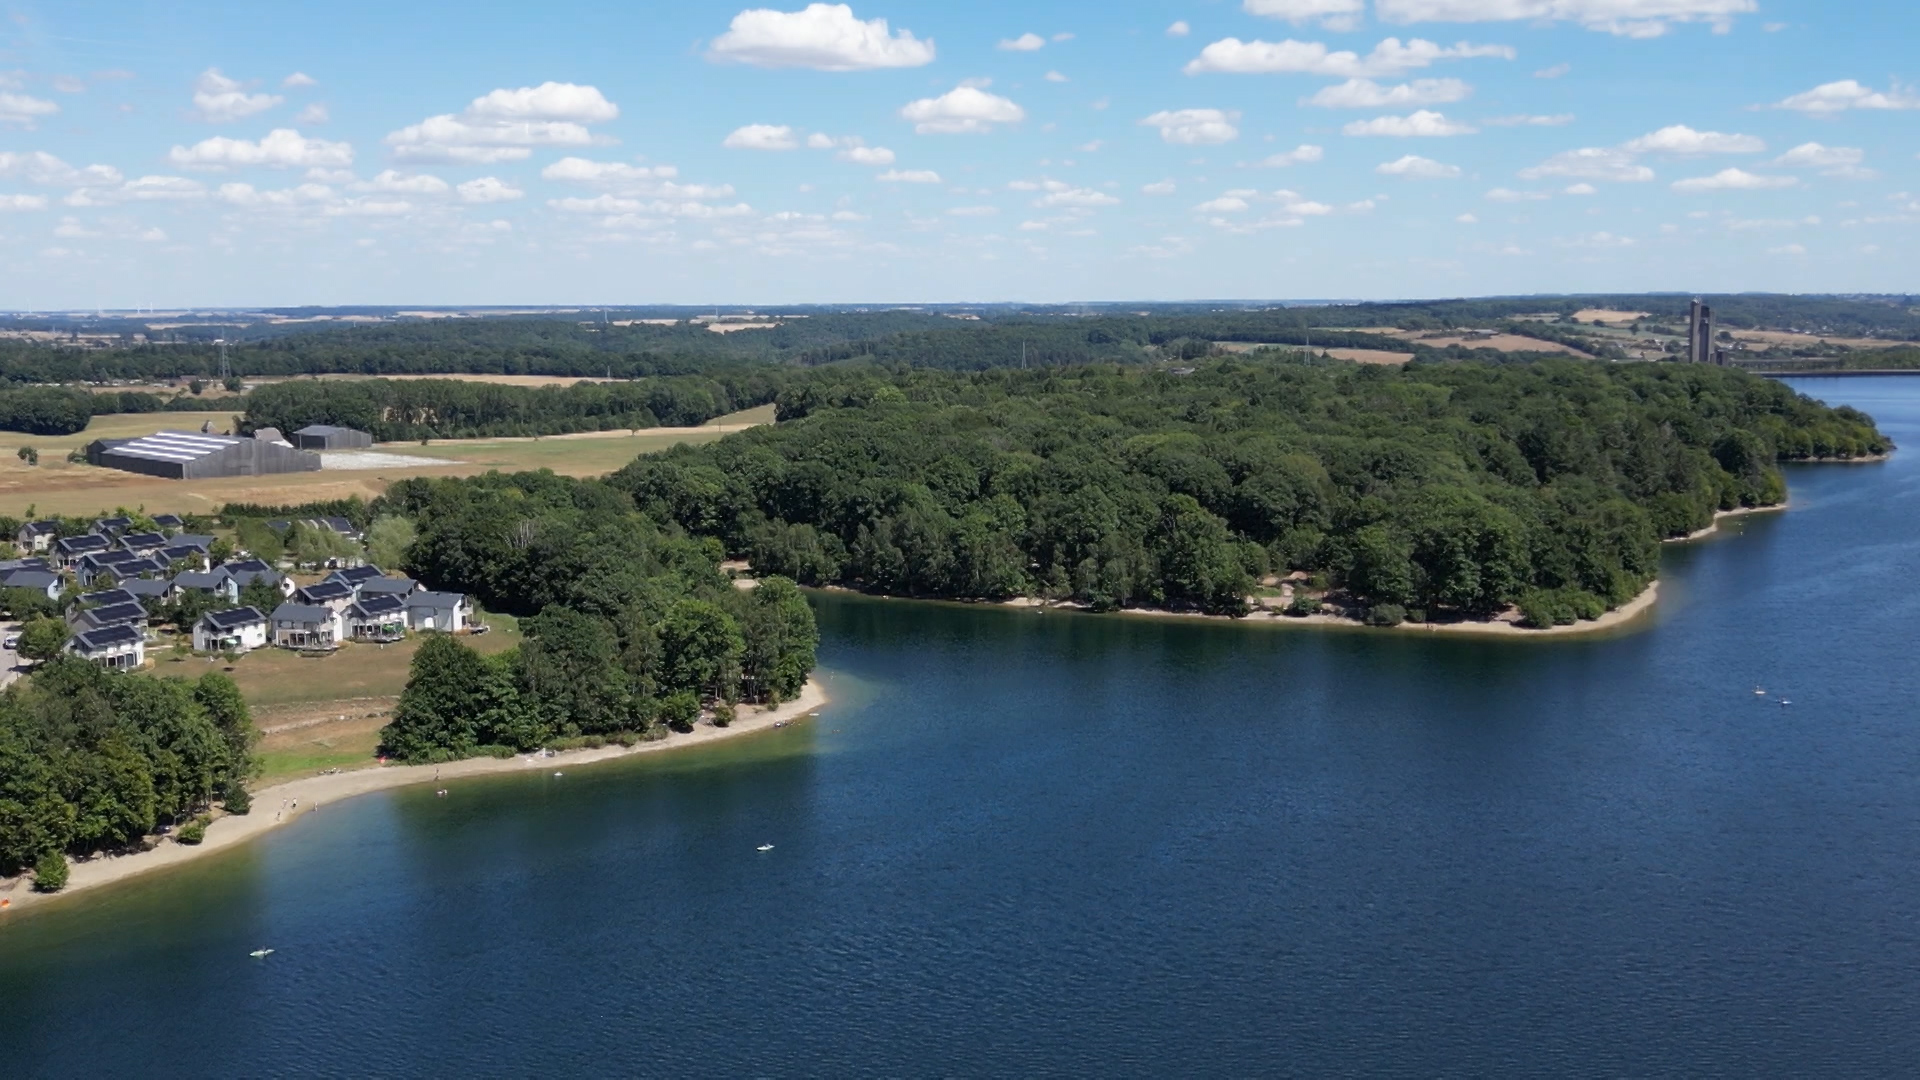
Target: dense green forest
x,y
994,336
47,410
92,761
1445,488
629,625
396,410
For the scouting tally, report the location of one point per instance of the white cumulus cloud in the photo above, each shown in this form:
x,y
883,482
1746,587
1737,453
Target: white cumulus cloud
x,y
282,148
1681,139
1160,187
1626,18
1390,57
1415,167
1734,180
1508,195
392,182
1847,94
1023,43
1422,124
964,110
867,155
1336,14
1195,127
19,110
761,137
23,202
1842,161
505,125
40,167
824,37
909,176
299,79
489,189
1060,194
1367,94
1606,164
1305,154
1179,29
1531,120
218,99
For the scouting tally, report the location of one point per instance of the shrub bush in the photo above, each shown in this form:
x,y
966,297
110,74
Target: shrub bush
x,y
50,872
193,832
236,799
1386,615
1303,605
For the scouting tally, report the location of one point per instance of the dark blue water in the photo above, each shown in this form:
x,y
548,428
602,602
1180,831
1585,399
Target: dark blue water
x,y
1025,844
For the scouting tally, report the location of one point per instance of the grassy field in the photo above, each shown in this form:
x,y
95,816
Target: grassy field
x,y
57,487
326,712
276,677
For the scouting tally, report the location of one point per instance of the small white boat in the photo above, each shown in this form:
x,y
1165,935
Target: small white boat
x,y
1784,702
258,953
558,775
764,847
1757,692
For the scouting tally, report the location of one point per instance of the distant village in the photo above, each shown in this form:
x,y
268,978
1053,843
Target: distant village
x,y
115,584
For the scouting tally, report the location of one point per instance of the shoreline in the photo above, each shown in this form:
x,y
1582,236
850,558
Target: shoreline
x,y
1620,616
313,792
1721,516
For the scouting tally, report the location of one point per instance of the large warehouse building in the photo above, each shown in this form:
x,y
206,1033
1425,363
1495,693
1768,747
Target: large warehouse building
x,y
184,455
328,437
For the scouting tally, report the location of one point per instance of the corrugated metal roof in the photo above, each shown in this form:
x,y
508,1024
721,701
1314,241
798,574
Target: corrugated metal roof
x,y
173,446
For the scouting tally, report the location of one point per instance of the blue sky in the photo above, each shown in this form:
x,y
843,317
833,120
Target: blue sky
x,y
221,153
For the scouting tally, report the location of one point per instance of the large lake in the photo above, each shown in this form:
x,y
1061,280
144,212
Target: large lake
x,y
1023,844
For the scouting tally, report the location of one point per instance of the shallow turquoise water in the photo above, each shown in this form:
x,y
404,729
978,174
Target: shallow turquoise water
x,y
1026,844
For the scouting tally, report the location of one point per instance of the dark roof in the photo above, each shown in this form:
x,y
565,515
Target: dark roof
x,y
357,575
388,586
40,528
181,551
168,521
194,579
324,591
301,613
111,558
107,598
150,564
337,524
23,564
128,612
173,447
372,607
233,618
107,637
134,540
29,579
145,587
241,566
436,599
114,523
248,576
75,544
279,526
192,540
322,429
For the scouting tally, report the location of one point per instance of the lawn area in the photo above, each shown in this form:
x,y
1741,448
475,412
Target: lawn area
x,y
278,677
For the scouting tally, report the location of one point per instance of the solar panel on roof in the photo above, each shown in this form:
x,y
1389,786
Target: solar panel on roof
x,y
108,635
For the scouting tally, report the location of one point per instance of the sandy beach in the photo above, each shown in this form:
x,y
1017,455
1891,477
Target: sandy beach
x,y
318,791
